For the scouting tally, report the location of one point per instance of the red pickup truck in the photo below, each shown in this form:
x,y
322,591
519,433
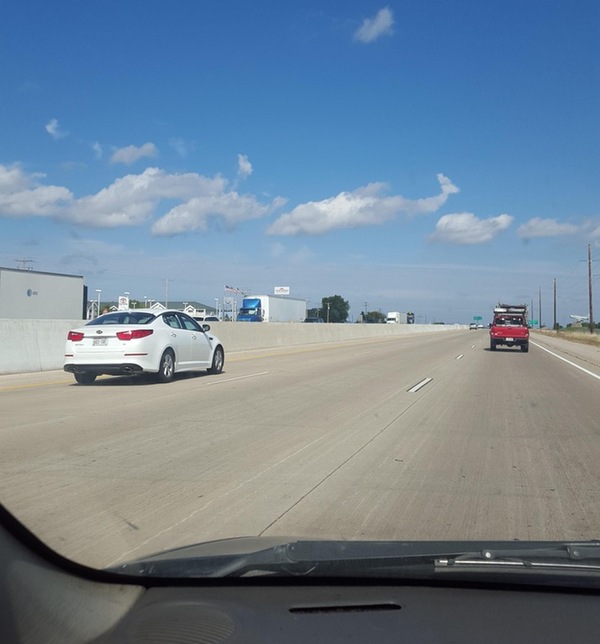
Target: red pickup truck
x,y
510,327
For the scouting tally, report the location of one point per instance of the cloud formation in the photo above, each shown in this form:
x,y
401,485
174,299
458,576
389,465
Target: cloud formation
x,y
373,28
133,153
538,227
466,228
365,206
21,195
132,200
230,207
244,166
53,129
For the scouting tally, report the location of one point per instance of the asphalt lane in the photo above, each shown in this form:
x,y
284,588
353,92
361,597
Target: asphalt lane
x,y
425,437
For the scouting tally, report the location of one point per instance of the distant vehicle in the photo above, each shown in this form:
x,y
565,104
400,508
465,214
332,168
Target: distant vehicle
x,y
480,326
313,319
509,327
396,317
208,318
272,308
140,341
472,326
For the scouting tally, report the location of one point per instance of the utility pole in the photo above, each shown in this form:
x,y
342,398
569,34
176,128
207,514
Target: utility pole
x,y
590,287
555,326
540,306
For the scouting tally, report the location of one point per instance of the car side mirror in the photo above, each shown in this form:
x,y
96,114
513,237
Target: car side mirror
x,y
206,328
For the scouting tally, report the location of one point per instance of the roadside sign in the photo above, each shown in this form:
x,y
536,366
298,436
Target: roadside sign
x,y
477,317
532,322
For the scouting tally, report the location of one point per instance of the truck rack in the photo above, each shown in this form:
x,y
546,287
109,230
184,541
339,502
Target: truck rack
x,y
511,308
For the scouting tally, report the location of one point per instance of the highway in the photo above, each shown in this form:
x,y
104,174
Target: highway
x,y
426,437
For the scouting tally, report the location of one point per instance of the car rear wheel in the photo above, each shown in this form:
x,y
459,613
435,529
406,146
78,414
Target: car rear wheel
x,y
492,345
218,361
525,348
166,369
85,378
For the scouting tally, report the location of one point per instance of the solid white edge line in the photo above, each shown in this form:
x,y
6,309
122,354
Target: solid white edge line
x,y
589,373
418,386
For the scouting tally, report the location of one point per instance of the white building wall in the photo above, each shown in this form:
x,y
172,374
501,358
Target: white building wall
x,y
33,295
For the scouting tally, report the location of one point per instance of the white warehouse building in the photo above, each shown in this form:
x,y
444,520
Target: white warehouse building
x,y
35,295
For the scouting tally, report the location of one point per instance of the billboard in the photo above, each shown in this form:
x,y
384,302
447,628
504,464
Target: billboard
x,y
281,290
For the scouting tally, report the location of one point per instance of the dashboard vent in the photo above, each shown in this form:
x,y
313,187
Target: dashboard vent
x,y
346,608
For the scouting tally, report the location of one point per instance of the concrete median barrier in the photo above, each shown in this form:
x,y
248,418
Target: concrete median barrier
x,y
38,345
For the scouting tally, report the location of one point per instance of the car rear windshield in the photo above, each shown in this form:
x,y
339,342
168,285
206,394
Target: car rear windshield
x,y
123,317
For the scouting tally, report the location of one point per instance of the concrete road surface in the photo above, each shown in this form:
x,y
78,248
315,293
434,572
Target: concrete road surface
x,y
428,437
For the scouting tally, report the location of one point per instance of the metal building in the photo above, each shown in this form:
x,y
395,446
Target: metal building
x,y
34,295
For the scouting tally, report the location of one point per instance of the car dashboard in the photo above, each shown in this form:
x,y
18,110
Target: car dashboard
x,y
45,598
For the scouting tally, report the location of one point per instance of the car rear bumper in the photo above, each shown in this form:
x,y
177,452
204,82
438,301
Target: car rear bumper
x,y
510,342
122,369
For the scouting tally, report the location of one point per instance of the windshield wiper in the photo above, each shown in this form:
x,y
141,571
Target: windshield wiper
x,y
367,559
571,555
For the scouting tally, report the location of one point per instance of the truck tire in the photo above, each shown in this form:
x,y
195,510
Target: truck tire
x,y
525,347
492,345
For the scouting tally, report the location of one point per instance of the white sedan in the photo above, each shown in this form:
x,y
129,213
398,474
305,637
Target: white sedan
x,y
142,341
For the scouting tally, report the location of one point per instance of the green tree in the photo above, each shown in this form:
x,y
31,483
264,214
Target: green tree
x,y
375,317
334,308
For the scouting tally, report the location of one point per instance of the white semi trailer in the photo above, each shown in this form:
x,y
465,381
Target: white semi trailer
x,y
395,317
272,308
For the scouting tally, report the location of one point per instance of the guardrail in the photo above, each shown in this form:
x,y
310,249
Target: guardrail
x,y
38,345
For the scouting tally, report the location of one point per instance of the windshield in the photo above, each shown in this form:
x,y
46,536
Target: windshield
x,y
408,175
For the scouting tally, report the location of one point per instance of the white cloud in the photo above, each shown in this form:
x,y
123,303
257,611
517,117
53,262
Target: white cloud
x,y
466,228
538,227
231,207
132,200
133,153
22,196
53,129
244,166
373,28
362,207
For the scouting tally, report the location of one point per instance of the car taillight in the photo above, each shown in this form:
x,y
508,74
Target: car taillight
x,y
75,336
134,334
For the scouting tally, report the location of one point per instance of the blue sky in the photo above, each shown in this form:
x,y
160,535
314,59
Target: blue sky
x,y
434,156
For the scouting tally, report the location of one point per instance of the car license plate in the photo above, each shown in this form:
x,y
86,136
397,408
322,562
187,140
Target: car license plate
x,y
99,342
510,339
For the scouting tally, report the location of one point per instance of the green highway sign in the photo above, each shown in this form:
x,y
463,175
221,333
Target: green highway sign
x,y
477,317
532,322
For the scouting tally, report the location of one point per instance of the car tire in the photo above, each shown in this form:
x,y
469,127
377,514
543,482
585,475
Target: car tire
x,y
218,360
85,378
525,348
492,345
166,368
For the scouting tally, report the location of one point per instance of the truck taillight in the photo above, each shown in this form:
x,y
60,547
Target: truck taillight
x,y
75,336
134,334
